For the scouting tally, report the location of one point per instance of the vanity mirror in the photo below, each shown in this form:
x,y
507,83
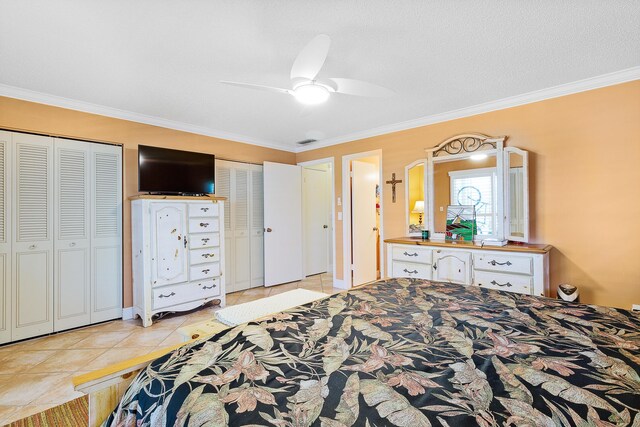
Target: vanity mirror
x,y
414,198
477,170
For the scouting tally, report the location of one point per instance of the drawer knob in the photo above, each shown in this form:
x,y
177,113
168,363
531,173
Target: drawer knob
x,y
167,296
204,209
204,224
205,239
208,255
410,272
408,254
209,287
508,285
206,271
494,262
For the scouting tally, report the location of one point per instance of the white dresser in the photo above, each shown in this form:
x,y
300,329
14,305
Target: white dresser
x,y
178,253
520,268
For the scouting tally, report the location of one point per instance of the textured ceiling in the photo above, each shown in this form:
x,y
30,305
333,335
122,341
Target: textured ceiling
x,y
164,58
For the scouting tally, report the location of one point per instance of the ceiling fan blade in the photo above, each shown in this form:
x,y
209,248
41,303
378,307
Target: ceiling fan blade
x,y
360,88
311,58
259,87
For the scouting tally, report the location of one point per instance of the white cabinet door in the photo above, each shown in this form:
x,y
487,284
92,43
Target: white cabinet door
x,y
106,234
169,257
452,266
72,245
32,273
256,212
363,222
5,236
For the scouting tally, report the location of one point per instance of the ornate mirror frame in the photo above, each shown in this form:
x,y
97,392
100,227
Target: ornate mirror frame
x,y
461,147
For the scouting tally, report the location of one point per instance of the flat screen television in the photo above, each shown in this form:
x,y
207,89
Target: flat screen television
x,y
165,171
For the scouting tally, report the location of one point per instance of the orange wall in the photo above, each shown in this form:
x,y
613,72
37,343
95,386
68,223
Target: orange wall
x,y
38,118
584,182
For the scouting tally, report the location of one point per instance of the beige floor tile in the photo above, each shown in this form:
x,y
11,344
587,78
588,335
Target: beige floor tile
x,y
173,339
172,322
283,288
118,326
23,361
116,355
148,337
311,286
25,388
58,341
59,393
68,360
259,292
102,340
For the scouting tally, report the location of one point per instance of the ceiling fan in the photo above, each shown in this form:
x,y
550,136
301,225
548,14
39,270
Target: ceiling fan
x,y
310,90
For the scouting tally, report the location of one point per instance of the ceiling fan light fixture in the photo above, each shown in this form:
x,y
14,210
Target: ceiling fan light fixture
x,y
311,94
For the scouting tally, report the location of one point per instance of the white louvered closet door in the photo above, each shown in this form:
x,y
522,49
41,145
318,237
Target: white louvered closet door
x,y
106,233
256,210
5,236
223,189
32,272
72,244
240,226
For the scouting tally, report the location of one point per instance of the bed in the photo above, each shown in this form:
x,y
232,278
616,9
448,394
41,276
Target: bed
x,y
403,352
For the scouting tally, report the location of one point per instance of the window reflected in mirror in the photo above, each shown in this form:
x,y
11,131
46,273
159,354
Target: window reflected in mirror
x,y
516,195
467,182
415,198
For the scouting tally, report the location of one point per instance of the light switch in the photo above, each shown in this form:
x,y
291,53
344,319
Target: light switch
x,y
339,216
340,202
441,209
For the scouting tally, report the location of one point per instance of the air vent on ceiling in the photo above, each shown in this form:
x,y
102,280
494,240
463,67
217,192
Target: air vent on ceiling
x,y
306,141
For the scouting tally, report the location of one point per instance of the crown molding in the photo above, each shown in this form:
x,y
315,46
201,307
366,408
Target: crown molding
x,y
87,107
591,83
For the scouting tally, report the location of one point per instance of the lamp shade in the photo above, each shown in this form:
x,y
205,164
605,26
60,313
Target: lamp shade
x,y
418,207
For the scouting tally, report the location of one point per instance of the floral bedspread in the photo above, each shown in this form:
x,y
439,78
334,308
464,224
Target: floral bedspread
x,y
403,352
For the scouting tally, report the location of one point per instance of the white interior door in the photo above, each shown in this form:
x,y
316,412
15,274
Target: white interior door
x,y
72,244
5,236
106,235
257,226
316,226
363,222
32,236
240,226
283,223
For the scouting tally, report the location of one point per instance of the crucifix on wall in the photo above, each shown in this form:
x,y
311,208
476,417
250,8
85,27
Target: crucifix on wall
x,y
393,183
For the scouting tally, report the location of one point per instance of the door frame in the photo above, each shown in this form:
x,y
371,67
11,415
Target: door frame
x,y
347,281
332,194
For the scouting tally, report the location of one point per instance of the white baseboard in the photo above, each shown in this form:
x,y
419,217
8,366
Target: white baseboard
x,y
339,283
127,313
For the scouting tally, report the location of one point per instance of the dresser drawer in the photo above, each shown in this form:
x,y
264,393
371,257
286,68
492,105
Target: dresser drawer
x,y
167,296
412,254
202,256
411,269
203,225
204,271
503,263
207,240
203,210
504,282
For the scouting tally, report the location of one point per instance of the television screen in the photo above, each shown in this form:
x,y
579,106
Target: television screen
x,y
161,170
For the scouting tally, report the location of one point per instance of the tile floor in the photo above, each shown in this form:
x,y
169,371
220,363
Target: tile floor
x,y
36,374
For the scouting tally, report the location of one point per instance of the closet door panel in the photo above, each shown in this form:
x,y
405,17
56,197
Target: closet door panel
x,y
223,189
32,275
106,232
72,264
240,226
257,227
5,236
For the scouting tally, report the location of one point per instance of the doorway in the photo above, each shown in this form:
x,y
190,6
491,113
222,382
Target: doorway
x,y
363,213
318,217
